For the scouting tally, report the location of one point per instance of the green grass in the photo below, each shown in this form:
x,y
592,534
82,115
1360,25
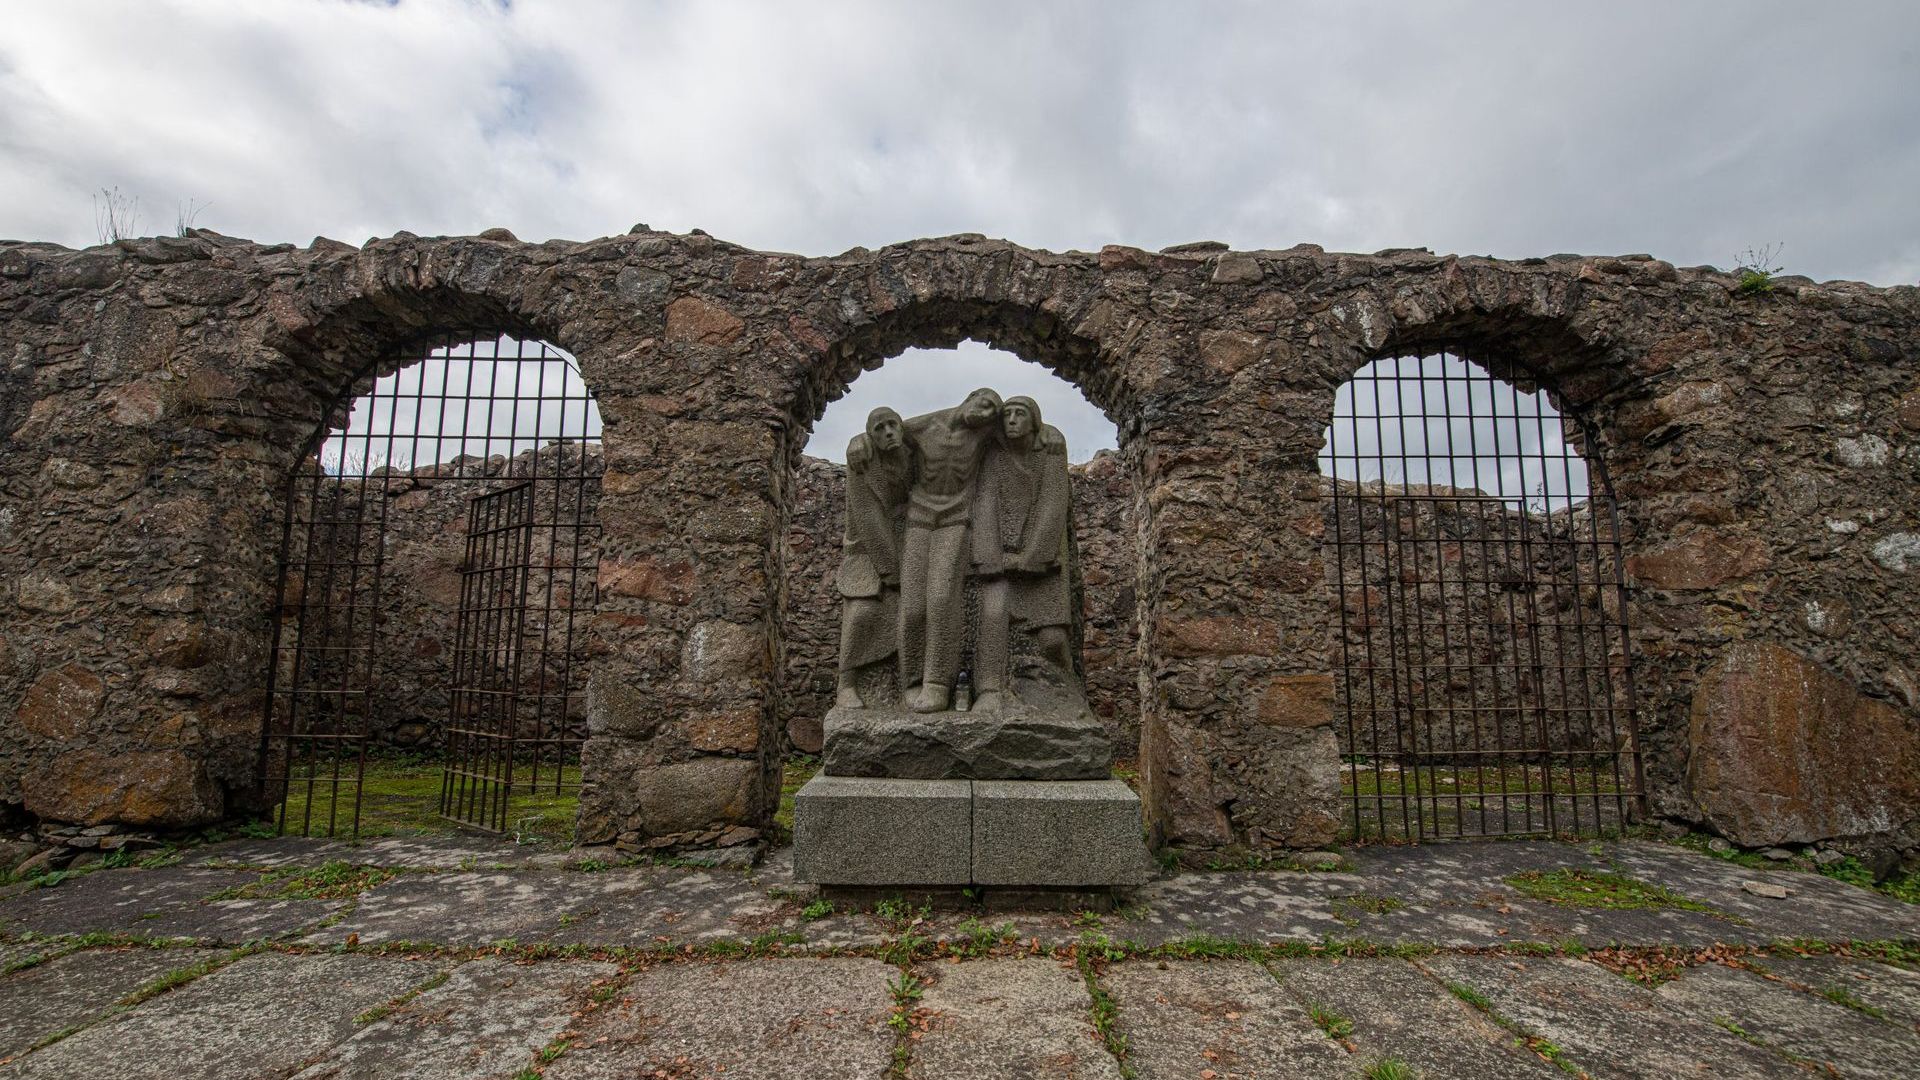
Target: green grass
x,y
337,880
1902,887
1840,995
1390,1069
1599,889
1337,1027
1348,909
400,796
799,769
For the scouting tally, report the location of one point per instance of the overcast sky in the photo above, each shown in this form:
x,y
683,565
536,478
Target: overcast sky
x,y
1693,131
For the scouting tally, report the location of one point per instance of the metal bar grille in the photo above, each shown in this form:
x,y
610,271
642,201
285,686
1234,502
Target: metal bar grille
x,y
1486,687
510,425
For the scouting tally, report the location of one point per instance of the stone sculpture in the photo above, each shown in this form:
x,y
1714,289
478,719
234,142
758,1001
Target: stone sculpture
x,y
959,530
950,445
1021,549
880,469
975,500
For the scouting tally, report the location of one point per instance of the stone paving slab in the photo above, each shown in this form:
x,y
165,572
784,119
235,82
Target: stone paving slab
x,y
261,1016
1605,1023
1893,990
20,952
1229,1017
1399,1012
166,902
1801,1026
459,908
401,852
800,1019
996,1018
647,907
1818,907
79,987
489,1020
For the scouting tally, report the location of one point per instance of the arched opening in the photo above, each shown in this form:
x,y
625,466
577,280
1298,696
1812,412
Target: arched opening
x,y
1486,687
437,570
914,381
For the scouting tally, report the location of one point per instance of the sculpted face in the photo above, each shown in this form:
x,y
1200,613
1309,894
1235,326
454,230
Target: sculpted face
x,y
981,407
1017,420
885,431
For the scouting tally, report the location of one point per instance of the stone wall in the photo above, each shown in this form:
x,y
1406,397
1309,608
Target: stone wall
x,y
1764,445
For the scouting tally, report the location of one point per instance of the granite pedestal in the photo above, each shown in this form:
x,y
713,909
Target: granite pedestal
x,y
1033,834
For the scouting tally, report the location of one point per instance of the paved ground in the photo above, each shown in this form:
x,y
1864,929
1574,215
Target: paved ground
x,y
464,959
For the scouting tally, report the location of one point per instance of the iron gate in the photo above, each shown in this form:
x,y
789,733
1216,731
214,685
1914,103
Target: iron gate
x,y
1486,686
359,650
478,777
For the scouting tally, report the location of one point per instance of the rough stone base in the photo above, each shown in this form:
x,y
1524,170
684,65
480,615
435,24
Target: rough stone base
x,y
1049,739
920,834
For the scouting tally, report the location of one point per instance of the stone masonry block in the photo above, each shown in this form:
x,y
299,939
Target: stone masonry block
x,y
1057,832
866,831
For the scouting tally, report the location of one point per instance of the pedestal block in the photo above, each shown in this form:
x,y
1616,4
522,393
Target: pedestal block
x,y
858,831
1057,833
1023,833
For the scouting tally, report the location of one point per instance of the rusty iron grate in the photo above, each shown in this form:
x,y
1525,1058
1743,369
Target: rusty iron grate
x,y
510,426
1486,686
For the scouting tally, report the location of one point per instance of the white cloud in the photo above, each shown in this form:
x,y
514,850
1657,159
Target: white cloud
x,y
1691,131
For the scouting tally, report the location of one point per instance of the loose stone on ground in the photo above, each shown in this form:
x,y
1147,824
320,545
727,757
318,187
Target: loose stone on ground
x,y
801,1019
1230,1017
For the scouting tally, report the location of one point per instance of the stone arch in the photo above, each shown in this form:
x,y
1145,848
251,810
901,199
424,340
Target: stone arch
x,y
332,355
1026,331
1033,335
1438,688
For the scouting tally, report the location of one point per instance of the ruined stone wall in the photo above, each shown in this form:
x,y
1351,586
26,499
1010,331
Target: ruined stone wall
x,y
1764,445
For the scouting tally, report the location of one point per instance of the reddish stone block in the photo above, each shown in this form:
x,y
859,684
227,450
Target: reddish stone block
x,y
1784,751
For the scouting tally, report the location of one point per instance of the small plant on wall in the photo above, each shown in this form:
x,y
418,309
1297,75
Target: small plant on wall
x,y
1756,267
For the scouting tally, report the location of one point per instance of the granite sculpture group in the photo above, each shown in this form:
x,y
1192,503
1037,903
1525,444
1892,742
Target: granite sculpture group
x,y
959,704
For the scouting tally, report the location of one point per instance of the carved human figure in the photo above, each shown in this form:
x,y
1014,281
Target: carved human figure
x,y
934,557
880,467
1020,549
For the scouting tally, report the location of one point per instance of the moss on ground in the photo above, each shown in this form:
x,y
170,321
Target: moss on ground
x,y
1600,889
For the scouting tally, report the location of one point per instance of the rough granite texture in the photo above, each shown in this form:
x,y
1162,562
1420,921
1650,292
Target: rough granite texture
x,y
872,831
1026,741
1057,833
155,392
